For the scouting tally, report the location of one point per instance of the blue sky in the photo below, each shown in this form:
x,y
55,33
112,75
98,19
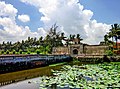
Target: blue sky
x,y
29,10
106,11
90,18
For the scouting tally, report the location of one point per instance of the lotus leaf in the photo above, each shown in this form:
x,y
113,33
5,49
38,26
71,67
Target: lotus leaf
x,y
89,76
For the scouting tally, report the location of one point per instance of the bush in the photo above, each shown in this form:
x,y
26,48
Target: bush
x,y
2,51
7,52
109,53
14,52
20,51
38,51
28,52
32,49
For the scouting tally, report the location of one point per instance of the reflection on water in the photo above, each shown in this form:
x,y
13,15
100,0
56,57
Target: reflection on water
x,y
29,84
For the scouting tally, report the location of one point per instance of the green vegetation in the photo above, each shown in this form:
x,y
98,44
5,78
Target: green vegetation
x,y
34,45
40,45
7,52
92,76
14,52
111,38
109,53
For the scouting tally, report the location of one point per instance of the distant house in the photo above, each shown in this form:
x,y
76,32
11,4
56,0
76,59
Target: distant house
x,y
118,45
116,49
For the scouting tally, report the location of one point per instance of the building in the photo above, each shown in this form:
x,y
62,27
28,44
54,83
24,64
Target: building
x,y
81,49
116,48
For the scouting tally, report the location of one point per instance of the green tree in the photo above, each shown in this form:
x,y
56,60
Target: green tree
x,y
106,39
20,51
7,52
13,51
114,33
79,38
109,53
53,38
2,51
38,51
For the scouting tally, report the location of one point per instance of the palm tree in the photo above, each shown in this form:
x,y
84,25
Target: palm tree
x,y
114,33
62,36
3,46
79,38
106,39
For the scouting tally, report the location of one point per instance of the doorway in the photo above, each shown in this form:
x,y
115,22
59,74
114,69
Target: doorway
x,y
75,51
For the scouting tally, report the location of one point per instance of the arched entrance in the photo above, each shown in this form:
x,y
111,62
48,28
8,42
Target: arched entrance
x,y
75,51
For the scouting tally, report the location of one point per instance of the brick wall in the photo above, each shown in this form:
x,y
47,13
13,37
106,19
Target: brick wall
x,y
88,49
60,50
95,49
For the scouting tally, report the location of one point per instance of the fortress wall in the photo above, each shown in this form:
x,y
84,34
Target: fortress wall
x,y
60,50
87,49
95,49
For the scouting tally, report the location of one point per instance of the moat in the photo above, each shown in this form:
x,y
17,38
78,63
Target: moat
x,y
34,81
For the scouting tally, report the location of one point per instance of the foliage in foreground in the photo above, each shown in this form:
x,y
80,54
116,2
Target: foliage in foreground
x,y
109,53
86,76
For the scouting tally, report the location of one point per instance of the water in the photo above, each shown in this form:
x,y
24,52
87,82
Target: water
x,y
23,85
30,84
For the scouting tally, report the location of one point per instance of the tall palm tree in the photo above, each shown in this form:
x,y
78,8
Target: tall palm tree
x,y
79,38
106,39
114,33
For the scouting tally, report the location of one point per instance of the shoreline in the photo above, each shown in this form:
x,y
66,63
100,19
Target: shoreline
x,y
23,84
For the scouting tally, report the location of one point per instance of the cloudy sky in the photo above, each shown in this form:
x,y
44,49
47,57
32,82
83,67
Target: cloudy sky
x,y
89,18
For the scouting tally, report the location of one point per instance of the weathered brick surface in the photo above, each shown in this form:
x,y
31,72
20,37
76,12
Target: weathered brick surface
x,y
80,49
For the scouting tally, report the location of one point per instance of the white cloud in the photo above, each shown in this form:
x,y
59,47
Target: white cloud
x,y
7,10
95,31
71,17
24,18
42,32
9,30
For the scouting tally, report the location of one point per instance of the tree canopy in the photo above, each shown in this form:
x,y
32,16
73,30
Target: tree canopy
x,y
42,45
111,38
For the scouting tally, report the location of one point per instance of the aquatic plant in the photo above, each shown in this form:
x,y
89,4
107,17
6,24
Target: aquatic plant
x,y
92,76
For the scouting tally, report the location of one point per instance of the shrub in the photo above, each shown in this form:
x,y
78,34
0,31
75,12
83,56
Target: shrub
x,y
109,53
2,51
28,52
20,51
14,52
7,52
38,51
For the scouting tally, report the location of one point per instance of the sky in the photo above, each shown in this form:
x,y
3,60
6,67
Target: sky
x,y
92,19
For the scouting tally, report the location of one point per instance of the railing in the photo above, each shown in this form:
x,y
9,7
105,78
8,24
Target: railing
x,y
19,63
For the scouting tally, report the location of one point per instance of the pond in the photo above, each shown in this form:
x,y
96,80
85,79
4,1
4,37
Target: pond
x,y
76,76
23,85
26,74
89,76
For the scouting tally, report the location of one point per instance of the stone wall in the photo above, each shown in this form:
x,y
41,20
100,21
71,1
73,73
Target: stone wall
x,y
95,49
60,50
78,49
